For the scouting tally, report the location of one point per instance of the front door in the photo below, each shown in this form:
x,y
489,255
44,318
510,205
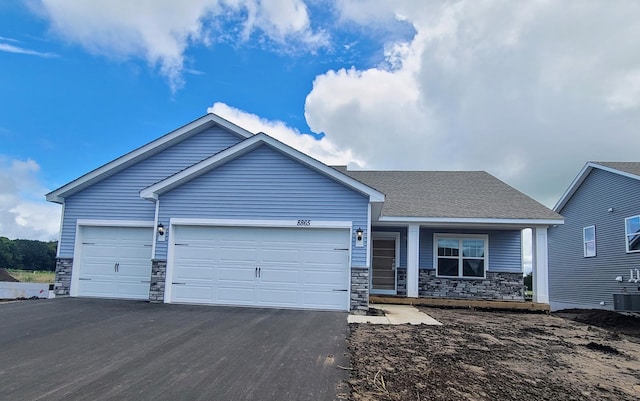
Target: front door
x,y
384,263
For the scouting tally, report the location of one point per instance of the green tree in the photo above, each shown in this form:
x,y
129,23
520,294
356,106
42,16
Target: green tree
x,y
36,255
9,254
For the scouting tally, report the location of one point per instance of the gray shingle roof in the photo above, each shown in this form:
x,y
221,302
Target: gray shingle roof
x,y
627,167
450,194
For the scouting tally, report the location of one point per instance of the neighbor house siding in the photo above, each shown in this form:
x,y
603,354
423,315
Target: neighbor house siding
x,y
265,185
505,248
118,196
576,281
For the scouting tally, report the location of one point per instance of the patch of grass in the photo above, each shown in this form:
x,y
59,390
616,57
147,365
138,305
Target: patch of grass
x,y
33,276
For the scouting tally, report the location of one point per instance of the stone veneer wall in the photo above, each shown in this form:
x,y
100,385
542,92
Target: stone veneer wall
x,y
401,276
62,283
497,285
359,290
158,278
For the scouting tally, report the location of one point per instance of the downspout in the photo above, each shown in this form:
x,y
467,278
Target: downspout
x,y
155,224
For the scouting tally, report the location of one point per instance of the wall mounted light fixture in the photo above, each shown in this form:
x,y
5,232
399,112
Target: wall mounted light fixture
x,y
160,229
359,234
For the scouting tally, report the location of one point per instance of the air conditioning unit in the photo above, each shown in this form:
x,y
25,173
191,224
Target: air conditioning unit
x,y
626,302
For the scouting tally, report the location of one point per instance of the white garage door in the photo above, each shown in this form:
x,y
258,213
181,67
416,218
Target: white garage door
x,y
115,262
274,267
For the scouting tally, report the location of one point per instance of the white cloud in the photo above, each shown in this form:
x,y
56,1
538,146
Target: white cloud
x,y
23,211
528,91
160,31
323,149
9,48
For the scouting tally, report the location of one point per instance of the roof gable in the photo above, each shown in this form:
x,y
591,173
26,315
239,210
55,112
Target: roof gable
x,y
152,192
144,152
626,169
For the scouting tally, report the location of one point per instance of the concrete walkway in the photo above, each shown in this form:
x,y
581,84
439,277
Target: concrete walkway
x,y
395,314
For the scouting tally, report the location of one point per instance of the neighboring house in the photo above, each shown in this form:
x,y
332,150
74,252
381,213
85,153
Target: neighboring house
x,y
593,255
212,214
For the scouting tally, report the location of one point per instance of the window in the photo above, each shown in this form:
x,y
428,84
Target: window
x,y
460,256
632,233
589,240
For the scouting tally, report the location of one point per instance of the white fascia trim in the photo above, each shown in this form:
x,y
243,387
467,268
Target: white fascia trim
x,y
575,184
456,220
115,223
60,231
245,146
260,223
211,119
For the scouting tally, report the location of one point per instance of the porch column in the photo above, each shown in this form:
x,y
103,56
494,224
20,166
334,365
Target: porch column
x,y
540,261
413,251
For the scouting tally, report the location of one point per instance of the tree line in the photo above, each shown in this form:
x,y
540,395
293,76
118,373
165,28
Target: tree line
x,y
26,254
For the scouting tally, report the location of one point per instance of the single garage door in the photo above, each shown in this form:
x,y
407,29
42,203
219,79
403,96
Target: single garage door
x,y
273,267
115,262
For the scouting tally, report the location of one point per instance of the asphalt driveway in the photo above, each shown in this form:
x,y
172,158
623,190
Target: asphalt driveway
x,y
72,349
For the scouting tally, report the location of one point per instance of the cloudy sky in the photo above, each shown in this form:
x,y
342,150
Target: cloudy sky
x,y
528,90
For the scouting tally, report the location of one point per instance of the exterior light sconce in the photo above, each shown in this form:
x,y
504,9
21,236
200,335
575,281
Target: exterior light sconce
x,y
359,237
610,210
161,232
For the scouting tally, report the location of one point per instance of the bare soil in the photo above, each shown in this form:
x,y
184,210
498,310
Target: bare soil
x,y
5,276
488,355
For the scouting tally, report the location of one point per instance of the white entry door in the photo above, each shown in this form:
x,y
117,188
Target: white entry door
x,y
260,266
115,262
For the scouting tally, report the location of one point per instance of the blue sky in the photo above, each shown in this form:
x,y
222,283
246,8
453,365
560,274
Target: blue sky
x,y
528,91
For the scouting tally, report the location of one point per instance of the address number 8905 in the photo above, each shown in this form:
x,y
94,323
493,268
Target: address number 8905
x,y
304,223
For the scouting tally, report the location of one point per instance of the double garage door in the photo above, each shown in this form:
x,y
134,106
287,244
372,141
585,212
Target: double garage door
x,y
304,268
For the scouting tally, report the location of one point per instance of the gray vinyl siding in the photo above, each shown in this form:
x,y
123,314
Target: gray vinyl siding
x,y
264,184
118,196
585,282
505,248
403,241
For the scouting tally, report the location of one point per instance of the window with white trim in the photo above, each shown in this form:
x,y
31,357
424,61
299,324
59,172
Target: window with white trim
x,y
460,255
632,233
589,241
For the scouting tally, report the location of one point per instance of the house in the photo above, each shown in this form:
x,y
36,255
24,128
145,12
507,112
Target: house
x,y
213,214
595,256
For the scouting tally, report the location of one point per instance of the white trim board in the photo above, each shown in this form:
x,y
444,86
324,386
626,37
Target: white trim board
x,y
465,220
260,223
152,192
145,151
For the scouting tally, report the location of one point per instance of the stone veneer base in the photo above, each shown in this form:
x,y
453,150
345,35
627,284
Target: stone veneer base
x,y
497,285
62,283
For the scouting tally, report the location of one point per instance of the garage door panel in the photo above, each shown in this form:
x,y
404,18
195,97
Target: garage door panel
x,y
238,254
279,253
96,287
101,251
114,262
133,290
329,279
237,274
291,262
280,276
278,297
194,252
328,257
236,295
323,299
193,293
204,272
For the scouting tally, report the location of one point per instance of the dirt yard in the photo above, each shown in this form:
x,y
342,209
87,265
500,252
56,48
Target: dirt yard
x,y
488,355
